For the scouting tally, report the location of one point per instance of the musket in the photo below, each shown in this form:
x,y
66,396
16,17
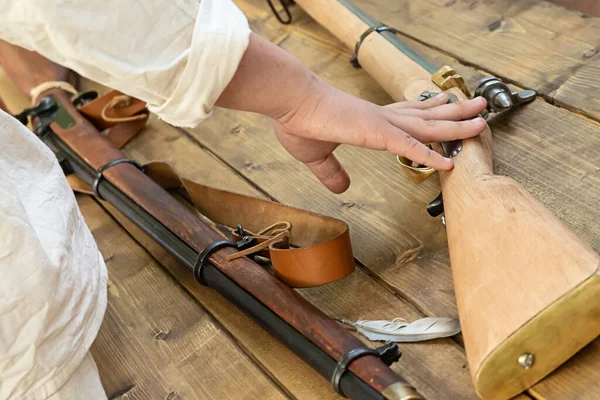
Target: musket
x,y
526,287
354,369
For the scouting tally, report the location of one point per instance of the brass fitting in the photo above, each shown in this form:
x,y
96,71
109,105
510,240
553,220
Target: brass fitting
x,y
415,173
401,391
446,78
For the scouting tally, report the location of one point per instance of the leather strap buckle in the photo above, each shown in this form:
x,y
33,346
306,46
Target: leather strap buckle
x,y
246,241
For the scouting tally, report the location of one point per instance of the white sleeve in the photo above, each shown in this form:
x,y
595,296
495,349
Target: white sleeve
x,y
177,55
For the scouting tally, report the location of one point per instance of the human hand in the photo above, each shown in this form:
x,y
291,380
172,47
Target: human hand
x,y
329,117
313,118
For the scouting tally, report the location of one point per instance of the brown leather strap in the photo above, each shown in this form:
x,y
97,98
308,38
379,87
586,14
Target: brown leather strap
x,y
123,116
318,250
314,251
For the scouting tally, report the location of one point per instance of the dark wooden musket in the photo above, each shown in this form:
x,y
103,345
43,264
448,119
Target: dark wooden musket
x,y
316,338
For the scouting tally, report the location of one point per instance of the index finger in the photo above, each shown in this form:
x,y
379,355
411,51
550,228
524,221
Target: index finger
x,y
458,111
409,147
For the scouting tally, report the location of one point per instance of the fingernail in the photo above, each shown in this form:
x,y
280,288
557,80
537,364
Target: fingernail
x,y
449,161
441,95
480,99
477,120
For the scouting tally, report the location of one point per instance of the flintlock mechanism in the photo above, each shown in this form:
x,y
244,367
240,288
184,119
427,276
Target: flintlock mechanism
x,y
499,96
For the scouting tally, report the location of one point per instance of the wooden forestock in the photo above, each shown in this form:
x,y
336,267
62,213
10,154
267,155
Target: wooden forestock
x,y
527,288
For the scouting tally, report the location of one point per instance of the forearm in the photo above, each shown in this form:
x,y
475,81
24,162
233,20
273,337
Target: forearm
x,y
269,81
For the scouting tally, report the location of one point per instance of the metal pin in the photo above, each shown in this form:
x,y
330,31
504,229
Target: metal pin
x,y
526,360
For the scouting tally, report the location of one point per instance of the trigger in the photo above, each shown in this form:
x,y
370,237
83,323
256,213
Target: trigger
x,y
436,207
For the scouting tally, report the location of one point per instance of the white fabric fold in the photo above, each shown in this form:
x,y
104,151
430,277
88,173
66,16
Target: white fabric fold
x,y
177,55
219,40
52,276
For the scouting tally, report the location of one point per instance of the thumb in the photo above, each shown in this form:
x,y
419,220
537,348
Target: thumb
x,y
330,173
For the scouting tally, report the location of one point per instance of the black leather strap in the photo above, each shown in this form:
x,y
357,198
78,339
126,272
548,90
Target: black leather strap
x,y
200,263
389,353
108,165
379,28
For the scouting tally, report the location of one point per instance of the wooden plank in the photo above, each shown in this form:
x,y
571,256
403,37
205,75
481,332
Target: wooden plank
x,y
155,341
578,92
437,368
590,7
552,152
534,43
570,382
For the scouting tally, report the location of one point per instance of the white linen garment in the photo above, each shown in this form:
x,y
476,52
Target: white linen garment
x,y
178,56
52,276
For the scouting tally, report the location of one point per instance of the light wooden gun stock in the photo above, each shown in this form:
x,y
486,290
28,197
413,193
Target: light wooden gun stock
x,y
527,288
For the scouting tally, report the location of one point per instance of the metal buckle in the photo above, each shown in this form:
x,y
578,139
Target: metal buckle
x,y
246,241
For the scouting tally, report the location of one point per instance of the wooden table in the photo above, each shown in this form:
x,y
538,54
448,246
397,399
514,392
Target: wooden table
x,y
166,337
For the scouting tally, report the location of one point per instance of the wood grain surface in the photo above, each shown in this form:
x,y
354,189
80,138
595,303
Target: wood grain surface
x,y
402,253
354,297
155,341
533,43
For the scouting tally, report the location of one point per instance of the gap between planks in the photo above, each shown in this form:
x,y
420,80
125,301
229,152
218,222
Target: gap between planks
x,y
546,97
371,274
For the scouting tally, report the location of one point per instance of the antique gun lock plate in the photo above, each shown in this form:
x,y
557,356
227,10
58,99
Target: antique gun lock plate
x,y
500,97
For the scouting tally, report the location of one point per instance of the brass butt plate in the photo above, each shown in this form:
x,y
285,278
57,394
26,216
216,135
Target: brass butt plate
x,y
552,337
401,391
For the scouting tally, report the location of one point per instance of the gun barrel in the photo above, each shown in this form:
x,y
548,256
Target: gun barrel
x,y
317,339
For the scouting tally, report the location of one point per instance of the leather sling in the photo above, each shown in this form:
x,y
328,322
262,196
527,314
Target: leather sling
x,y
306,249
